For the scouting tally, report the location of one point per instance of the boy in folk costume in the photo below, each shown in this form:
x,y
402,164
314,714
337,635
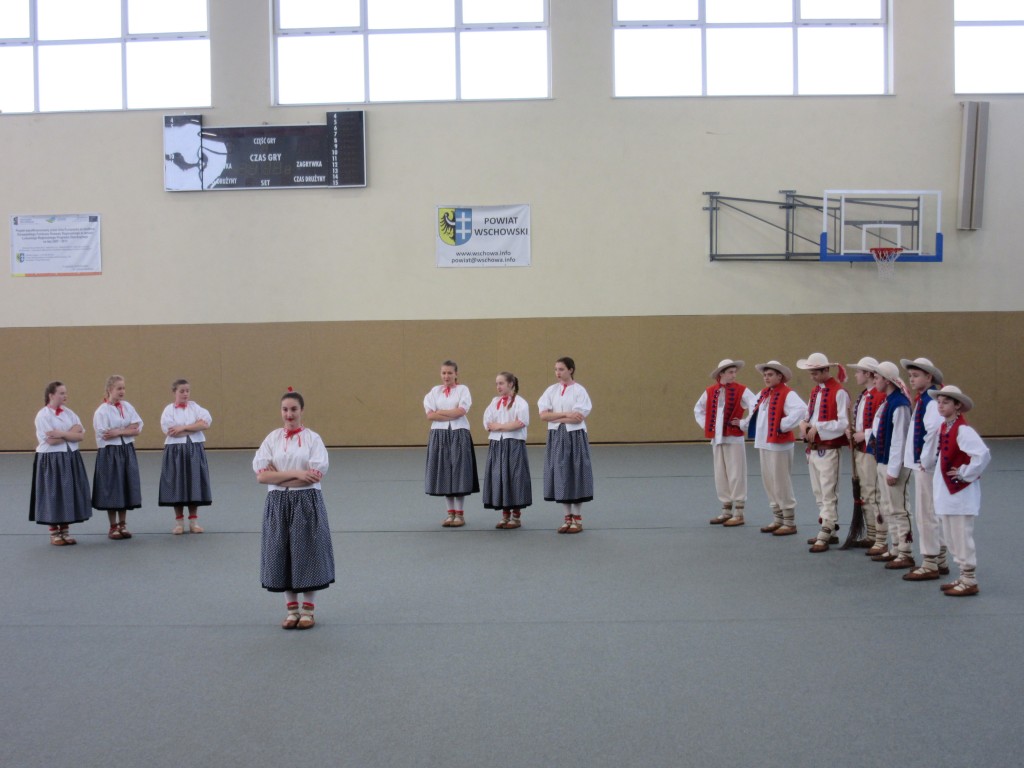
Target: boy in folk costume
x,y
777,412
719,411
876,529
887,440
824,431
958,464
922,438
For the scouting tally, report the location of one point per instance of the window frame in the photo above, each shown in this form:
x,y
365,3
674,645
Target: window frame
x,y
1000,23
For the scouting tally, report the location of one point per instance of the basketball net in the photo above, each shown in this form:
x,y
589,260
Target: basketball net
x,y
885,260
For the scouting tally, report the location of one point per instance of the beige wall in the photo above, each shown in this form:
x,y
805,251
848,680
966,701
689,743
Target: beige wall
x,y
364,381
247,292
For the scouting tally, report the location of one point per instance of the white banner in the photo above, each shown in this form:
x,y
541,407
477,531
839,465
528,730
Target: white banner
x,y
46,246
483,236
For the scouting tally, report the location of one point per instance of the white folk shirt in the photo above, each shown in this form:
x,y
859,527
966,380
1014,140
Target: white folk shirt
x,y
47,420
830,430
304,451
968,500
108,416
900,420
520,411
564,399
438,400
793,412
700,410
183,417
932,424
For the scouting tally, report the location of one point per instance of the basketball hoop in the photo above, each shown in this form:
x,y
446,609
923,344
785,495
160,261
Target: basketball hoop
x,y
885,260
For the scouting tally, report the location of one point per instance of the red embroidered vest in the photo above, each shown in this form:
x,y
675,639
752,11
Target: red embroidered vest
x,y
776,403
950,455
733,409
827,410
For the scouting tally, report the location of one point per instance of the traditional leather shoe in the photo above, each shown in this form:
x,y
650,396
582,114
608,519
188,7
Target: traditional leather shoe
x,y
921,574
784,530
944,570
885,557
819,546
864,543
876,550
720,519
949,585
961,590
831,540
771,527
900,563
732,522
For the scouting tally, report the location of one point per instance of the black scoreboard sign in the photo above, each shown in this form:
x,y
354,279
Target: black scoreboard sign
x,y
264,157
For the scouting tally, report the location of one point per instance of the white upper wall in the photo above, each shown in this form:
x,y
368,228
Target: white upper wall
x,y
615,188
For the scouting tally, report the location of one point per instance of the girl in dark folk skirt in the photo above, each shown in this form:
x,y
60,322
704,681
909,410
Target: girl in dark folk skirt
x,y
568,476
507,476
185,474
115,483
60,485
297,554
451,462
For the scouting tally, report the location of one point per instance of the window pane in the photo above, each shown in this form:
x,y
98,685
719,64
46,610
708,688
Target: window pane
x,y
841,60
410,14
745,11
320,70
750,62
989,59
168,73
414,67
166,16
657,10
657,62
79,77
841,9
14,18
504,65
307,14
78,19
16,85
988,10
500,11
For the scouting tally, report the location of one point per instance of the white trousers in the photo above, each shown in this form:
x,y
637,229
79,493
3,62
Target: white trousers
x,y
929,528
730,473
893,501
777,476
823,467
958,533
867,474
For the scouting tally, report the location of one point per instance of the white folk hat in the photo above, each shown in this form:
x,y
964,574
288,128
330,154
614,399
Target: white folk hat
x,y
727,363
813,362
923,364
868,364
954,393
775,365
889,371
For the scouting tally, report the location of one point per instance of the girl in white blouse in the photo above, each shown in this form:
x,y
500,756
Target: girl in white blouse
x,y
568,476
60,485
507,483
115,483
451,462
184,473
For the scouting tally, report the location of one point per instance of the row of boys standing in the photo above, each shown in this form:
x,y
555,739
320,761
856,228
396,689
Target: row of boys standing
x,y
60,485
892,438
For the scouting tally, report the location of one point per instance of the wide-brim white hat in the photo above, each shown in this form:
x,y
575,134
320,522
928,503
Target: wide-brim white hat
x,y
813,362
954,393
868,364
727,363
775,365
888,370
924,364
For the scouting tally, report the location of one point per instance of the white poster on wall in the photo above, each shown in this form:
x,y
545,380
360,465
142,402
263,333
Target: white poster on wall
x,y
53,245
483,236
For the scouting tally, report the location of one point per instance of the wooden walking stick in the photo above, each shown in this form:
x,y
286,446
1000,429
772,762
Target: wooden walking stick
x,y
856,532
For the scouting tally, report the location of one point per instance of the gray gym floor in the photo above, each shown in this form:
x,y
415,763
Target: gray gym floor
x,y
652,639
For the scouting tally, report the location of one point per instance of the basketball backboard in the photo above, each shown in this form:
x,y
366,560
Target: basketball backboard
x,y
856,220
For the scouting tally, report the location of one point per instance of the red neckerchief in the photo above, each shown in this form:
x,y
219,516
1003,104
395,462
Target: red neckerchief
x,y
503,401
566,386
289,434
448,390
120,408
57,411
181,405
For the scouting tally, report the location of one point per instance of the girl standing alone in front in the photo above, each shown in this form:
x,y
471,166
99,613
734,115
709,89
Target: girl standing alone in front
x,y
60,486
568,476
451,462
115,483
184,474
507,477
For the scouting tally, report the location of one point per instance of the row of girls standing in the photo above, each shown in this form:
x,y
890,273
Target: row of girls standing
x,y
451,469
60,486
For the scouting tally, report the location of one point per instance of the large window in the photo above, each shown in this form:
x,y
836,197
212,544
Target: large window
x,y
751,47
989,38
66,55
359,51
